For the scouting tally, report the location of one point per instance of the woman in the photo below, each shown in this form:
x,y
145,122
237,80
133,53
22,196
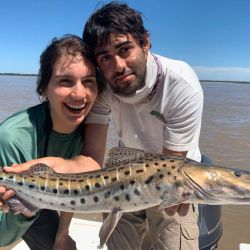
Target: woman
x,y
68,86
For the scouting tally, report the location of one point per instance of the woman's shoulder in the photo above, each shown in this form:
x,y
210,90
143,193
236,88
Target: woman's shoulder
x,y
22,120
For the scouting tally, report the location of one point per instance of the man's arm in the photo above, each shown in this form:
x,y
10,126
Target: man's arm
x,y
95,136
181,209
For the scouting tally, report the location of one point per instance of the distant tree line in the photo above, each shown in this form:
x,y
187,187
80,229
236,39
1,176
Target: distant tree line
x,y
17,74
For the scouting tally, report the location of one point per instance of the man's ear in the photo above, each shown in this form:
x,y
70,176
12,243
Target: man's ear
x,y
147,42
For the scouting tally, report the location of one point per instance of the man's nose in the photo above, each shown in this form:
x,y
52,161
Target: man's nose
x,y
120,63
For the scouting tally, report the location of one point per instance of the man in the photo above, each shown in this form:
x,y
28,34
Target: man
x,y
156,105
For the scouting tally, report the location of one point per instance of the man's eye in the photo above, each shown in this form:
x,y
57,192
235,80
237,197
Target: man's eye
x,y
104,58
124,50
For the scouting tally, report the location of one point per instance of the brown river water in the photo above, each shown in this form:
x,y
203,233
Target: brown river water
x,y
225,138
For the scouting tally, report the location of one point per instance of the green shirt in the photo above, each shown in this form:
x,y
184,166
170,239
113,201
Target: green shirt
x,y
22,138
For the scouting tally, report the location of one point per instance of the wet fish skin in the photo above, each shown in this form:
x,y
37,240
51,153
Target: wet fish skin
x,y
132,180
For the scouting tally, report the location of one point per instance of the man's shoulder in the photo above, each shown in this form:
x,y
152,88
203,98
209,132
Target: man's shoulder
x,y
179,71
174,65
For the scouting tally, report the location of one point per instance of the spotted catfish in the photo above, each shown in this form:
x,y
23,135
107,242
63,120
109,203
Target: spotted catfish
x,y
132,180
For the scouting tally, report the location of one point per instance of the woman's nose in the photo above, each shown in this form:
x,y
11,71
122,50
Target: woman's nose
x,y
79,91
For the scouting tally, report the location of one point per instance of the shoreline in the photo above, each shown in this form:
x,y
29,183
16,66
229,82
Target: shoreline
x,y
202,81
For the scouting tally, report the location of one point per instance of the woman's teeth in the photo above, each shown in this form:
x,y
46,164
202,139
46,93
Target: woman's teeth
x,y
76,107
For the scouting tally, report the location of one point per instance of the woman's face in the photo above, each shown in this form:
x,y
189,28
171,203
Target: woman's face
x,y
71,92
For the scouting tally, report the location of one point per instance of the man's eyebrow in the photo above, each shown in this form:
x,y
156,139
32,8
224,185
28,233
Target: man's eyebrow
x,y
104,51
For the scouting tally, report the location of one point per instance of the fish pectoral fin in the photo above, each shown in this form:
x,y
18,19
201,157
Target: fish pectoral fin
x,y
169,201
109,225
19,206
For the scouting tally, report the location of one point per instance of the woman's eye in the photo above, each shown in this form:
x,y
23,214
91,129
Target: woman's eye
x,y
89,83
65,82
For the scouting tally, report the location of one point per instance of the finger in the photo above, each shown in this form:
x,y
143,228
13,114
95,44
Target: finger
x,y
17,168
2,189
5,208
171,210
8,194
183,209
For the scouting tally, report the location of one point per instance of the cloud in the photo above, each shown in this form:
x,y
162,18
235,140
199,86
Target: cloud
x,y
223,73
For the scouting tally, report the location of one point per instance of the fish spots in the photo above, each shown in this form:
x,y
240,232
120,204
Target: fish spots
x,y
127,172
173,167
11,177
122,187
114,179
72,203
42,188
106,177
116,198
66,191
55,191
97,185
127,197
161,176
137,192
156,163
107,195
149,179
96,198
31,186
172,160
87,187
164,165
97,176
20,183
139,171
82,201
132,182
147,165
178,184
158,187
75,192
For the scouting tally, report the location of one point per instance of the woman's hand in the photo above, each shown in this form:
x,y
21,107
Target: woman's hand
x,y
78,164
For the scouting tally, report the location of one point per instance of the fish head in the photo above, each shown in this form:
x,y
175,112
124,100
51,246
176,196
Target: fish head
x,y
218,185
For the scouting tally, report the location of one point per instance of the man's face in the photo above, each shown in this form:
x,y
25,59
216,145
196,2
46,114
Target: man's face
x,y
123,63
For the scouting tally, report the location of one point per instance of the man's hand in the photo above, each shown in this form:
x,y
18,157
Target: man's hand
x,y
64,243
181,209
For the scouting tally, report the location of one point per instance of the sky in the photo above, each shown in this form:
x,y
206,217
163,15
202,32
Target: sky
x,y
213,36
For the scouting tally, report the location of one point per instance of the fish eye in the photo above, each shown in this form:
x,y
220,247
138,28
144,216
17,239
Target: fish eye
x,y
237,174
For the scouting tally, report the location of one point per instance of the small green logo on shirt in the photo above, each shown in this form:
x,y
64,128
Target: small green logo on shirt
x,y
158,115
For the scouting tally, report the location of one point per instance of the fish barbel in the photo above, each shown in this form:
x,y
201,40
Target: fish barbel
x,y
132,180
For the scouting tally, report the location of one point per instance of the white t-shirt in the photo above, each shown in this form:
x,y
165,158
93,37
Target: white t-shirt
x,y
170,119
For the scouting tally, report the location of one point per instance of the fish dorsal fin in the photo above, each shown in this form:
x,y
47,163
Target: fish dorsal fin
x,y
123,155
42,170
